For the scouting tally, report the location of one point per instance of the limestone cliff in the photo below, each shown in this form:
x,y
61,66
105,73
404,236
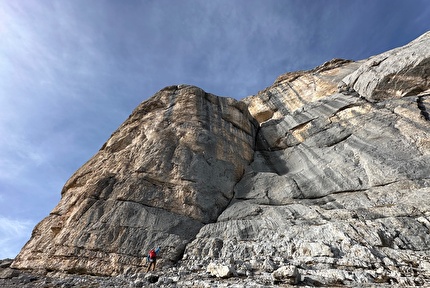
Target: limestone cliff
x,y
321,178
169,169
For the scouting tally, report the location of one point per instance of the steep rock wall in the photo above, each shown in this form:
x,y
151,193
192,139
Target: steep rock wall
x,y
339,187
169,169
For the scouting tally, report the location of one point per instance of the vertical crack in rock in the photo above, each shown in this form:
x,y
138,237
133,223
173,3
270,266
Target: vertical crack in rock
x,y
423,108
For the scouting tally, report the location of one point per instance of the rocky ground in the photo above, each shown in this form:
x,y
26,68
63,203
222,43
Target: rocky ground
x,y
170,277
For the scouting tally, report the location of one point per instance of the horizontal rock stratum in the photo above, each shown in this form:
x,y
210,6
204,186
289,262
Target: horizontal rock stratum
x,y
322,178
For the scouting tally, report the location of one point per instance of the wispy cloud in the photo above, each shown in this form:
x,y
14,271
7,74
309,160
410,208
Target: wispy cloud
x,y
13,235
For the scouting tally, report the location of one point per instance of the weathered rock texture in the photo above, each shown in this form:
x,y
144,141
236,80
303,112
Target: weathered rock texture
x,y
168,170
322,178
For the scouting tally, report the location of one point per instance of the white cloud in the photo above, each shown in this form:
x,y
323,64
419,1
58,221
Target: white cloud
x,y
14,233
17,155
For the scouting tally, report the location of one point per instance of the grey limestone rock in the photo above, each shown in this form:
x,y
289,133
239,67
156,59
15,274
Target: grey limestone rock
x,y
8,273
221,271
339,185
397,73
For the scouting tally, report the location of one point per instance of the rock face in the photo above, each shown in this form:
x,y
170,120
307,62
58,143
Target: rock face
x,y
169,169
321,178
400,72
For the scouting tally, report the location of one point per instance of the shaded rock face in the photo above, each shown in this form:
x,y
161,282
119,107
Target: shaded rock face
x,y
321,178
339,186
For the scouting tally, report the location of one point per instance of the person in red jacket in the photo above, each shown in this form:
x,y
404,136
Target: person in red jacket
x,y
152,258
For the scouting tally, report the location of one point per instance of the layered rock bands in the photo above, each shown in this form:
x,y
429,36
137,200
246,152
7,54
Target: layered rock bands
x,y
321,178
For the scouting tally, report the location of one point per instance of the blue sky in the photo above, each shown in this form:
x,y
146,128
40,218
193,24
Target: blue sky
x,y
72,71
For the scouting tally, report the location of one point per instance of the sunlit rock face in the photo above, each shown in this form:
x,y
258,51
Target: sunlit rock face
x,y
320,179
169,169
397,73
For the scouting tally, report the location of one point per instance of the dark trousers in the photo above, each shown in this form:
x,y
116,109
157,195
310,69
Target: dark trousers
x,y
152,263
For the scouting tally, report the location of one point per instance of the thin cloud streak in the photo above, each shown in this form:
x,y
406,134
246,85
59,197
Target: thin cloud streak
x,y
12,233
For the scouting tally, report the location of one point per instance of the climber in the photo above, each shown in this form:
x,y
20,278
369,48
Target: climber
x,y
152,258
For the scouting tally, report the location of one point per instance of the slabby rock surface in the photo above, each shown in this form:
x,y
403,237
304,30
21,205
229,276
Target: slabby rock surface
x,y
339,186
322,178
